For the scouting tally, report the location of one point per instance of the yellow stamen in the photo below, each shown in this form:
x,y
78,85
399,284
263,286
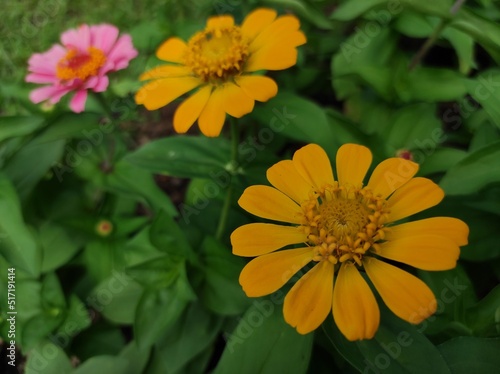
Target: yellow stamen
x,y
217,55
78,65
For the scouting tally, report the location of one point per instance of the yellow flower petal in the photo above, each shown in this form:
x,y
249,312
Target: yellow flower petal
x,y
213,116
267,274
256,239
310,300
414,196
236,102
391,174
166,71
218,22
275,48
355,309
190,109
268,202
287,179
426,252
257,21
407,296
313,164
353,162
172,50
280,30
451,228
161,92
258,87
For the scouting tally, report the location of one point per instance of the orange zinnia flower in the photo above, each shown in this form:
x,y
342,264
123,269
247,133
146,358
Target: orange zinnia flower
x,y
346,227
218,63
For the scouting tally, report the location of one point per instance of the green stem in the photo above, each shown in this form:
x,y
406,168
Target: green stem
x,y
422,52
235,138
103,103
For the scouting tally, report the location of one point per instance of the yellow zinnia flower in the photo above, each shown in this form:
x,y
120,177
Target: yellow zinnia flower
x,y
346,227
217,62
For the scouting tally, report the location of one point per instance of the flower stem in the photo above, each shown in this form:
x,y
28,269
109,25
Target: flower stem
x,y
235,137
103,103
422,52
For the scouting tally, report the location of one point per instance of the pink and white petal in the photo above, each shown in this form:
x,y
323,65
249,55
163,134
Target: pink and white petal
x,y
100,84
77,103
41,78
46,63
77,38
103,37
122,52
54,93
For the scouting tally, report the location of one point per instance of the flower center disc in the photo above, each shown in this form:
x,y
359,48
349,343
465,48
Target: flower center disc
x,y
78,65
344,223
217,55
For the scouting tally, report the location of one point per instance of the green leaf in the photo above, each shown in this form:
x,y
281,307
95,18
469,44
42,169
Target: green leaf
x,y
159,272
397,347
57,246
484,89
441,160
420,85
117,298
133,181
24,172
292,116
183,156
137,358
16,242
193,333
305,10
484,317
48,358
75,125
467,354
18,126
166,302
77,319
474,172
103,364
221,291
264,343
100,338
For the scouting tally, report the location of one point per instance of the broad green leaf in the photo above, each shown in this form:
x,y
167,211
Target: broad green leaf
x,y
100,338
77,319
484,317
167,302
16,241
57,246
397,347
440,160
183,156
117,298
308,11
195,331
264,343
24,172
221,291
83,126
18,126
484,89
467,354
159,272
133,181
48,358
103,364
420,85
137,358
292,116
474,172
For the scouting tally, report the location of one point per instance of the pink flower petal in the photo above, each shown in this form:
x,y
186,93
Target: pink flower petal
x,y
103,37
52,93
122,52
45,63
77,38
41,78
77,103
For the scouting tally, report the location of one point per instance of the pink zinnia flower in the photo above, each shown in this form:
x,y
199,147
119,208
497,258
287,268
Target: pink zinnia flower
x,y
81,63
